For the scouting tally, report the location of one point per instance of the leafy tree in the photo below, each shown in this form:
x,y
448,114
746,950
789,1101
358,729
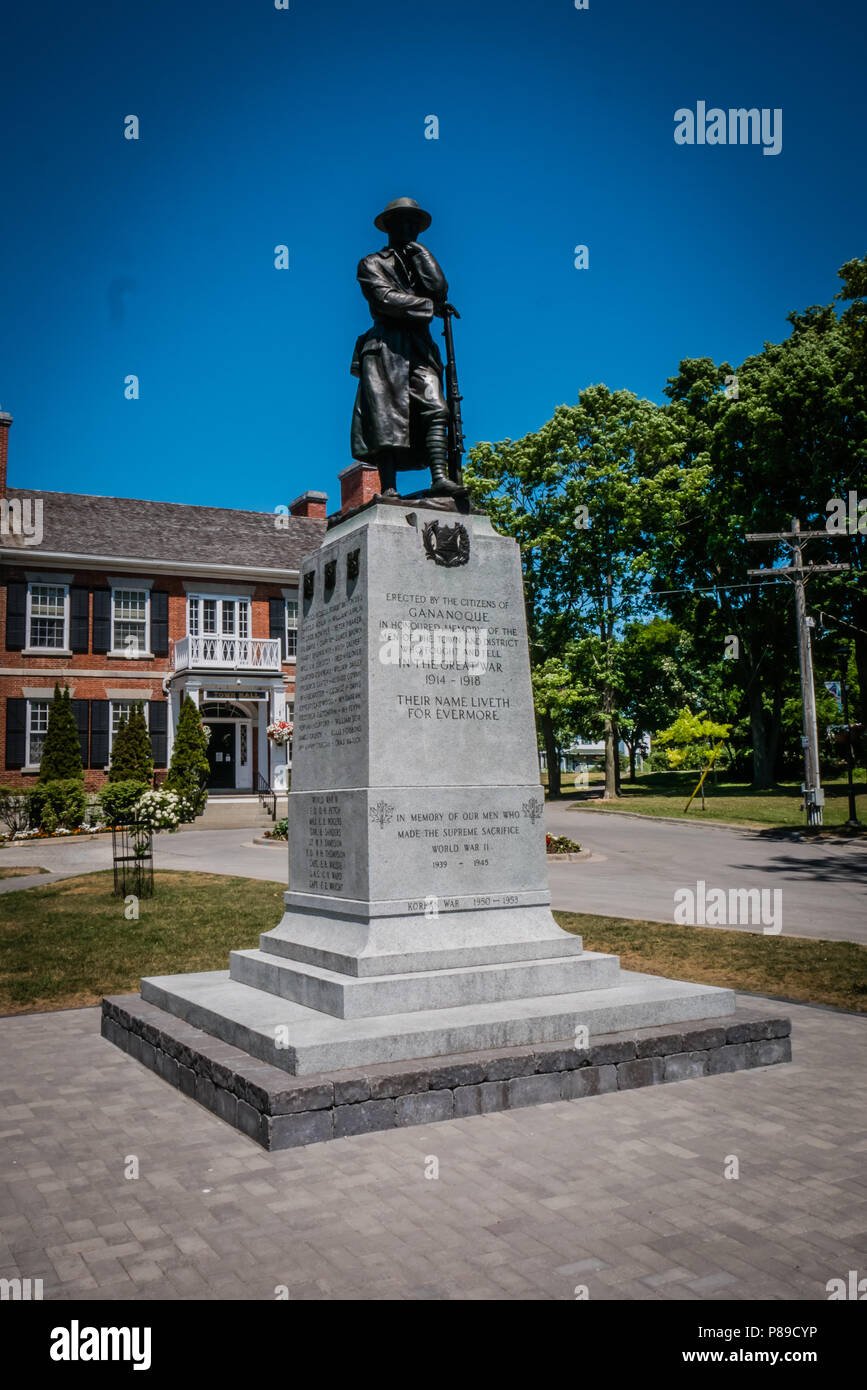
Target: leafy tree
x,y
189,769
555,699
61,751
794,438
692,740
588,498
657,674
131,759
691,731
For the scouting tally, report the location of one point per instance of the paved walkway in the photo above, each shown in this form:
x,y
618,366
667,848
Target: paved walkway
x,y
639,865
623,1193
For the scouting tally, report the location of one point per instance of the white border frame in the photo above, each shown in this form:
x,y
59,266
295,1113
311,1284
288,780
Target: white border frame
x,y
29,649
35,700
122,651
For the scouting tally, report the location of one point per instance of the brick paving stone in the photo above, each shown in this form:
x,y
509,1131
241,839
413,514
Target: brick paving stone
x,y
626,1185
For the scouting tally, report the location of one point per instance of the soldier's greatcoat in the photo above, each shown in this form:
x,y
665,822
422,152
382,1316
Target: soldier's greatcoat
x,y
401,289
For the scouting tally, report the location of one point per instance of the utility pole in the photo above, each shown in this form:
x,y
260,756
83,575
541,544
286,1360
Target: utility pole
x,y
799,573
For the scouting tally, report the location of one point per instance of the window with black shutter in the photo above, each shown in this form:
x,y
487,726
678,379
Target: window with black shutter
x,y
158,729
16,732
99,719
277,623
16,617
79,618
160,622
101,620
81,714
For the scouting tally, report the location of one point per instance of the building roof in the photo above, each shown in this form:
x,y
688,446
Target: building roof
x,y
168,532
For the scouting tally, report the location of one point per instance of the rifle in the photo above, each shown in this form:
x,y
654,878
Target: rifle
x,y
454,398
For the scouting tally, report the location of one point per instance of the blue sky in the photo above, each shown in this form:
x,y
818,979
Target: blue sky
x,y
262,126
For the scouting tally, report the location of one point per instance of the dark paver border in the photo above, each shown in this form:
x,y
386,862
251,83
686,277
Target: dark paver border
x,y
280,1111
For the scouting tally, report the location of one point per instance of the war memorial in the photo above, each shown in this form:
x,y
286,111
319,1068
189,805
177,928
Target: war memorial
x,y
418,973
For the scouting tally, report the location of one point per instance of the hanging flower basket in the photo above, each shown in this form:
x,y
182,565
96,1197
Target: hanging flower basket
x,y
280,732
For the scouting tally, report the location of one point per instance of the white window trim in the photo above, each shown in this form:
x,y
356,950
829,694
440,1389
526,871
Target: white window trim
x,y
291,657
122,651
64,649
234,598
28,765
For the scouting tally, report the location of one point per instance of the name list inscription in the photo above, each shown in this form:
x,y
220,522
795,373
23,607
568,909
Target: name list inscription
x,y
331,680
326,857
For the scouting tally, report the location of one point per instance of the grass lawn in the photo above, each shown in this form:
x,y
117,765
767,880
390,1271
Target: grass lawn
x,y
19,871
65,945
817,972
68,944
666,794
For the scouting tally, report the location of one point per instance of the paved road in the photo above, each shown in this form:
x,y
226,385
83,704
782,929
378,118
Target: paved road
x,y
640,864
624,1193
208,851
644,861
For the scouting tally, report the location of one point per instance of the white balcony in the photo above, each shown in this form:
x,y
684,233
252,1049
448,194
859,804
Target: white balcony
x,y
213,653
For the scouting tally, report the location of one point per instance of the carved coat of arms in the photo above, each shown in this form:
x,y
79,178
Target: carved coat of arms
x,y
446,545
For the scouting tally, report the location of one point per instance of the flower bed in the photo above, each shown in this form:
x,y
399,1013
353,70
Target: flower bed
x,y
61,831
561,844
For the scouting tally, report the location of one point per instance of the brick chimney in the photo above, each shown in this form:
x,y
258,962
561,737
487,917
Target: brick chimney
x,y
358,484
5,422
309,504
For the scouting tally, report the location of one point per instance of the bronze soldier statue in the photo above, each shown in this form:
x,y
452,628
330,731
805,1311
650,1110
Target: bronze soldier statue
x,y
401,420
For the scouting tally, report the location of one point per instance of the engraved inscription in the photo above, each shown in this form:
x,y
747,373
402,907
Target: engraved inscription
x,y
330,688
326,855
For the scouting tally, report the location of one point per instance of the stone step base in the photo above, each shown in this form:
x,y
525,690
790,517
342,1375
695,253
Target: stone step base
x,y
282,1112
351,996
332,935
301,1040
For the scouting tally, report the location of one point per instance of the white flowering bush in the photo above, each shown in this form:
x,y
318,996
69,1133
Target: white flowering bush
x,y
161,810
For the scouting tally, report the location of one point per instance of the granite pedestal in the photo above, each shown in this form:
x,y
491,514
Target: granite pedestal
x,y
418,918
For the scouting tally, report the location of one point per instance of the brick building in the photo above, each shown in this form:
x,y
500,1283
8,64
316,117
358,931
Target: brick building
x,y
125,600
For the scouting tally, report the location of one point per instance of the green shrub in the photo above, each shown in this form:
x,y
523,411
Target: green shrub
x,y
280,830
61,751
60,803
14,809
189,768
131,759
117,800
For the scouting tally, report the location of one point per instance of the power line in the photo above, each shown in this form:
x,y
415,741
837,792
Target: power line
x,y
714,589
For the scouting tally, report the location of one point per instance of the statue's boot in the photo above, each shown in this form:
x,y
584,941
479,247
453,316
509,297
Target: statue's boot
x,y
438,458
387,475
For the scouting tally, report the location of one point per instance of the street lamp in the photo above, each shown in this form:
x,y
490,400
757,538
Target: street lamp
x,y
843,657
